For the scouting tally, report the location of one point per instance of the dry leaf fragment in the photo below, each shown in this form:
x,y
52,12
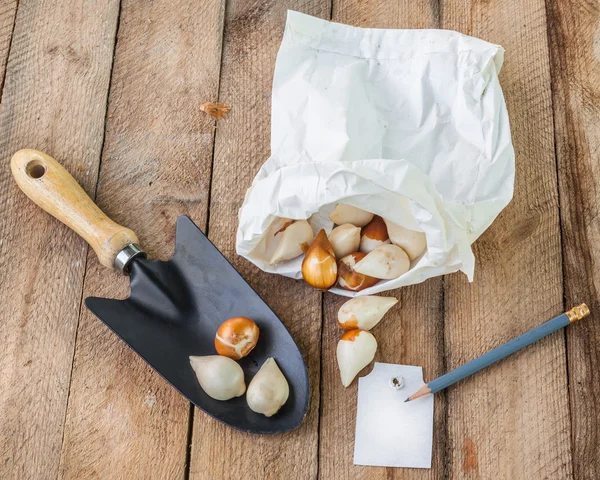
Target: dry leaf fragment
x,y
216,110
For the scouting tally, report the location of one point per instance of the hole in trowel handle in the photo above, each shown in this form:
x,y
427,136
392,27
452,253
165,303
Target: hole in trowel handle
x,y
35,169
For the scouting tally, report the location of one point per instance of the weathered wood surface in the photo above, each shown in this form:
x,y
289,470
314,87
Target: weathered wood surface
x,y
8,12
573,33
54,99
124,420
76,403
513,420
252,36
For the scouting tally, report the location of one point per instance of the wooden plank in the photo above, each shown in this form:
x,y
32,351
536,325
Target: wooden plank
x,y
54,99
573,26
394,14
411,333
123,419
512,421
253,32
8,12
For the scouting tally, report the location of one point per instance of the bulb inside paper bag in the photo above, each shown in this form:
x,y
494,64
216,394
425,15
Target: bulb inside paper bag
x,y
385,137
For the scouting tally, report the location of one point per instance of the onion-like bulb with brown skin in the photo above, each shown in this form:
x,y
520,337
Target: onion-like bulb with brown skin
x,y
348,278
319,267
374,235
236,337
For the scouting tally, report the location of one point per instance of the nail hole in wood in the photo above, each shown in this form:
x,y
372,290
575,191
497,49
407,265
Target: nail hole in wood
x,y
35,169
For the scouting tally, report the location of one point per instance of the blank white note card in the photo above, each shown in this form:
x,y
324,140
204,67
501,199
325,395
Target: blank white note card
x,y
390,432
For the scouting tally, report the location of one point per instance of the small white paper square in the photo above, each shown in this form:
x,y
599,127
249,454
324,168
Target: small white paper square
x,y
390,432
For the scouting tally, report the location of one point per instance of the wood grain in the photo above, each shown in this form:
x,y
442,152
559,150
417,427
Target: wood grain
x,y
512,421
8,12
52,188
253,32
123,419
573,34
54,99
411,333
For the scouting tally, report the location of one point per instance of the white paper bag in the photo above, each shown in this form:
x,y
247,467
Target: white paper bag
x,y
408,124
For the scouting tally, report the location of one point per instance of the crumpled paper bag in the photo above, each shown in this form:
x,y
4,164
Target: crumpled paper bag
x,y
408,124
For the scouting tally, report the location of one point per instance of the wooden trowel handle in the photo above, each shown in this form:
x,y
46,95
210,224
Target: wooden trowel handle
x,y
50,186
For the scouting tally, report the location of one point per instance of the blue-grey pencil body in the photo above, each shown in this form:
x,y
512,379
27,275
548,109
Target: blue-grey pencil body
x,y
498,353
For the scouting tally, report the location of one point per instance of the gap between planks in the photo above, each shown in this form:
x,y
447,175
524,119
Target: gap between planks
x,y
93,197
190,434
561,227
8,49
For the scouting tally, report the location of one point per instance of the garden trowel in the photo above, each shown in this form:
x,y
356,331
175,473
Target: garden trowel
x,y
175,307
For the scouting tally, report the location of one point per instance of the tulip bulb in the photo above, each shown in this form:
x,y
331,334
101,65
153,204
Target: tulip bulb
x,y
374,235
355,350
236,337
364,312
319,267
268,390
294,234
412,242
220,377
348,214
349,278
385,262
344,239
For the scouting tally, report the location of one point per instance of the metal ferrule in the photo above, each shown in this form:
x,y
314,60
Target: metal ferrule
x,y
125,256
578,313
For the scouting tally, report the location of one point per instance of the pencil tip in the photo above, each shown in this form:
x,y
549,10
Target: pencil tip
x,y
407,400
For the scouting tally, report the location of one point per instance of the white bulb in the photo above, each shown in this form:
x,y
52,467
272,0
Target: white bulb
x,y
412,242
364,312
345,240
355,350
349,214
268,390
385,262
220,377
292,238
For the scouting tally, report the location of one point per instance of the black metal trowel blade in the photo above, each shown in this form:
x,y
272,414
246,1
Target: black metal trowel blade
x,y
174,311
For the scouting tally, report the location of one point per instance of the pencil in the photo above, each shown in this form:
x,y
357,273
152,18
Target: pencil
x,y
501,352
